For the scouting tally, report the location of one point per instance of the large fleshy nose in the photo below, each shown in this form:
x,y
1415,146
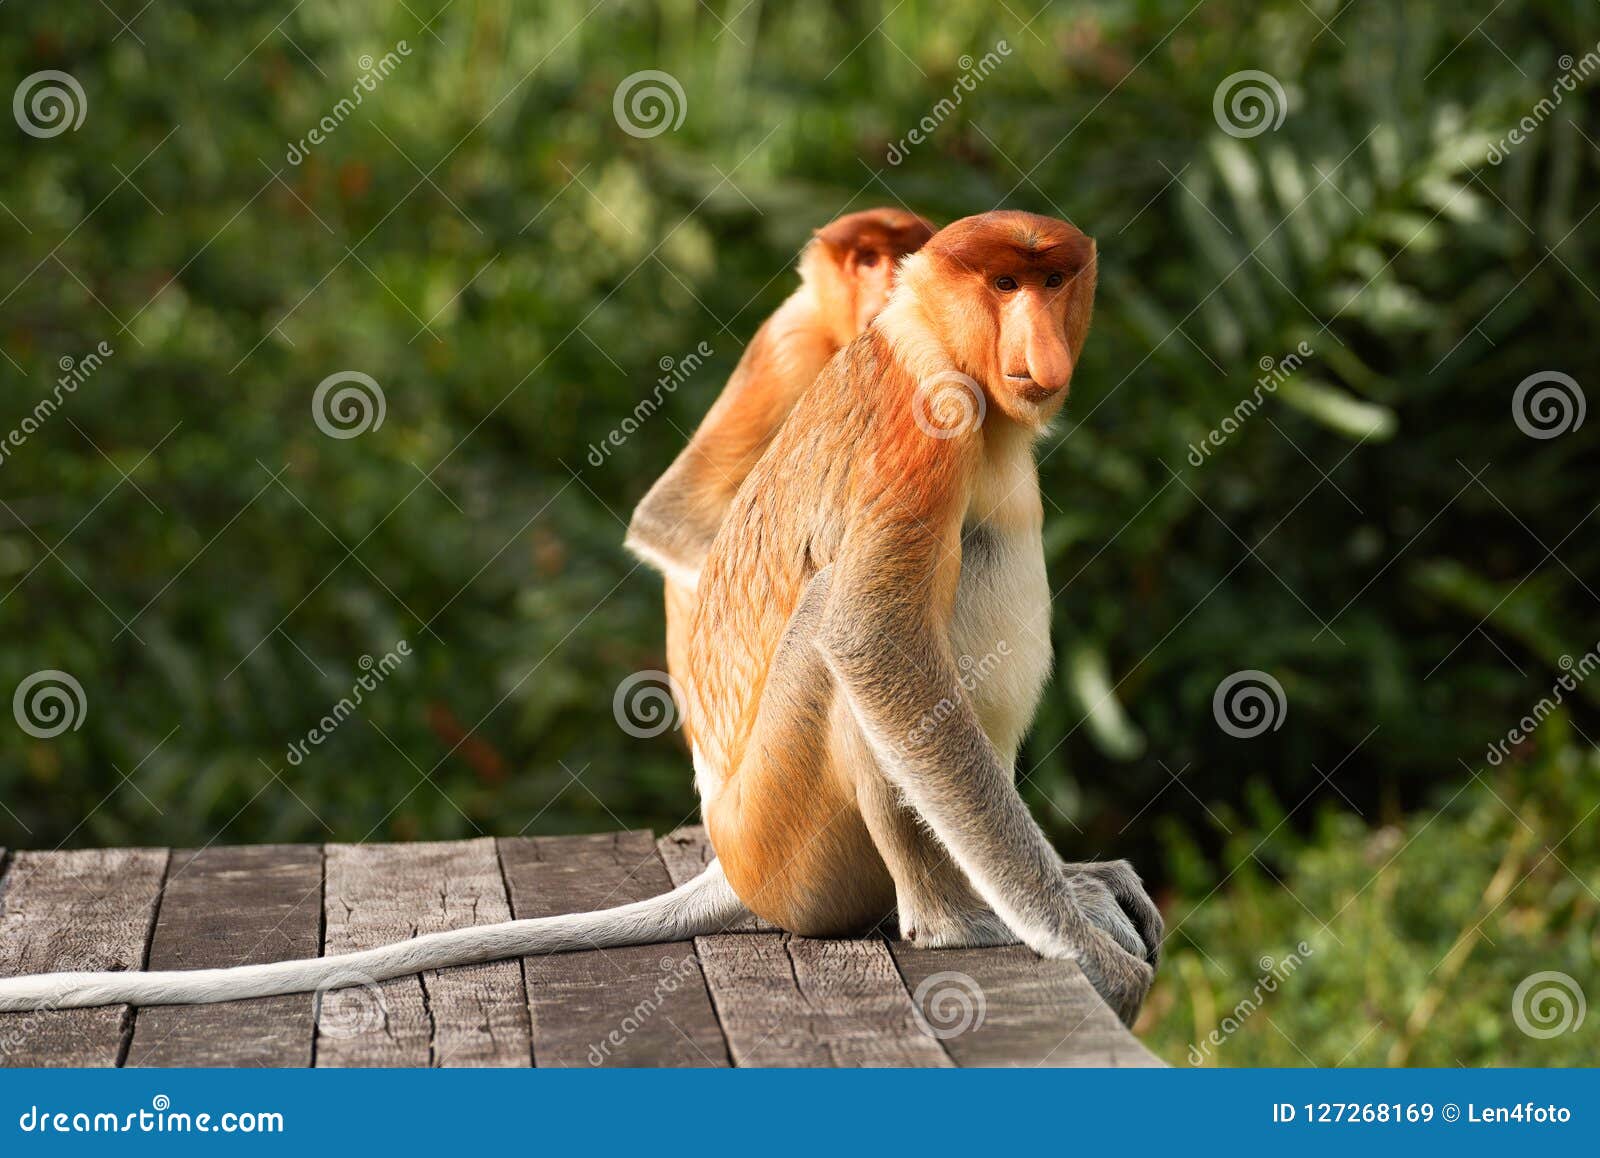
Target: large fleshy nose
x,y
1049,358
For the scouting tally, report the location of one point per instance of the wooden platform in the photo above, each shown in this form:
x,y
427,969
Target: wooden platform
x,y
751,998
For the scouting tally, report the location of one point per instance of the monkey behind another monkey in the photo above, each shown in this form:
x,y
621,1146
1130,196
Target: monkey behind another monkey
x,y
846,273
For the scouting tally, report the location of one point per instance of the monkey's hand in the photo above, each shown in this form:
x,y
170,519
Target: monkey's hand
x,y
1119,977
1099,906
1135,912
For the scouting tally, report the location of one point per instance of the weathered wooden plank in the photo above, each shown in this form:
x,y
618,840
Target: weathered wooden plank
x,y
792,1001
475,1015
234,906
642,1005
85,909
1008,1007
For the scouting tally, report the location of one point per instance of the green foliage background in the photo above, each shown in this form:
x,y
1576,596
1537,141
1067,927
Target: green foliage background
x,y
482,238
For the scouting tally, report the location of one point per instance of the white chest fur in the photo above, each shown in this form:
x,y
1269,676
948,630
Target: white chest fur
x,y
1000,632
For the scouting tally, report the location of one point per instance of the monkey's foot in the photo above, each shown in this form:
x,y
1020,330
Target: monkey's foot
x,y
954,929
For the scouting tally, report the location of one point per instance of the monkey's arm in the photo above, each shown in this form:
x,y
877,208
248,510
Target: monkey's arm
x,y
674,524
885,637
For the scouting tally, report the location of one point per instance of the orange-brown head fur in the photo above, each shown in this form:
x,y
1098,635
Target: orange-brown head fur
x,y
847,272
851,264
1009,295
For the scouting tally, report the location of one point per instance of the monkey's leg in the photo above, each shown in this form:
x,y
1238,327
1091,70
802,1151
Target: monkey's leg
x,y
786,824
889,661
936,905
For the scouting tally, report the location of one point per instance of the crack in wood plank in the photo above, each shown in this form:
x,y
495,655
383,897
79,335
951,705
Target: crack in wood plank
x,y
225,906
472,1015
77,910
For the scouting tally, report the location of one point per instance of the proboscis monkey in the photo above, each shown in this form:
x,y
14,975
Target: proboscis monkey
x,y
846,272
849,766
845,766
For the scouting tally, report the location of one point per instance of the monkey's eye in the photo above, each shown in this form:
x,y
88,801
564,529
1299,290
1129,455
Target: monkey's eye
x,y
1053,280
1005,284
867,258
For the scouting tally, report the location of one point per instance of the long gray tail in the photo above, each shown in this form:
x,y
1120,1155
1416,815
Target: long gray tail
x,y
704,905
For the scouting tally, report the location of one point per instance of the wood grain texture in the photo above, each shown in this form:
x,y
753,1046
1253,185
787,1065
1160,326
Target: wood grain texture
x,y
474,1015
234,906
792,1001
754,998
79,910
1008,1007
641,1005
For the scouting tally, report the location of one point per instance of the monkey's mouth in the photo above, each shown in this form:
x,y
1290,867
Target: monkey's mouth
x,y
1029,389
